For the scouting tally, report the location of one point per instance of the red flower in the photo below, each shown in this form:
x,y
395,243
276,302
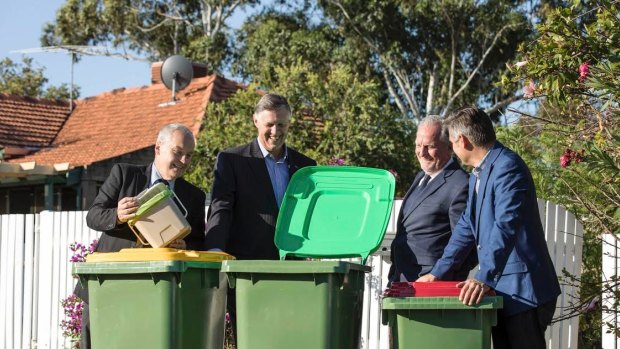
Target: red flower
x,y
584,71
569,156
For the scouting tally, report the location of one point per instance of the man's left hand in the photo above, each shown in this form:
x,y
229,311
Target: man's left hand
x,y
472,291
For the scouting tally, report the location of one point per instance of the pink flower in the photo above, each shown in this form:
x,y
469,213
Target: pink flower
x,y
584,71
529,89
394,173
569,156
335,161
564,161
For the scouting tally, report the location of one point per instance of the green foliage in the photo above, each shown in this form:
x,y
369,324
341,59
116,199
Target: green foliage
x,y
572,143
334,115
158,28
435,56
24,79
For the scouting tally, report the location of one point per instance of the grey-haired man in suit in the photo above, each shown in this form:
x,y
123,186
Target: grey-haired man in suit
x,y
431,208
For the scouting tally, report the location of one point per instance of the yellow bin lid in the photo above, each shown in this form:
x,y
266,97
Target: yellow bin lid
x,y
157,254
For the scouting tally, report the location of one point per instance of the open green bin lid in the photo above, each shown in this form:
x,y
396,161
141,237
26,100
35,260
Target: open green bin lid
x,y
335,212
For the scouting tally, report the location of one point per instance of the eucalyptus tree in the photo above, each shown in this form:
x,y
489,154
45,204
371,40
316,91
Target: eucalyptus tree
x,y
155,28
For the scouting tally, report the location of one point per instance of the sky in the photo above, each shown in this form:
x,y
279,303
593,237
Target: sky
x,y
21,26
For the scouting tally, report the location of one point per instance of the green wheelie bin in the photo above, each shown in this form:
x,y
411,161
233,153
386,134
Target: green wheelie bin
x,y
432,320
155,298
327,213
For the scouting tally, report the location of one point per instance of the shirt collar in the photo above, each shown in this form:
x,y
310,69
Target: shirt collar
x,y
477,169
268,154
155,175
442,169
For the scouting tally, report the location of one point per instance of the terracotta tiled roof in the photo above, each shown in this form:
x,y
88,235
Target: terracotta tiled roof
x,y
30,122
126,120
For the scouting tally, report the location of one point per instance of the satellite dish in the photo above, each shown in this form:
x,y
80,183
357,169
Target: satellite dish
x,y
176,73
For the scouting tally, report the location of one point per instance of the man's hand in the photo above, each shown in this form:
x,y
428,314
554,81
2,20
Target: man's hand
x,y
126,209
178,243
472,291
427,278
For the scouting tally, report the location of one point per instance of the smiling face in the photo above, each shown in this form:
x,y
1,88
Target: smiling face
x,y
432,153
272,126
173,156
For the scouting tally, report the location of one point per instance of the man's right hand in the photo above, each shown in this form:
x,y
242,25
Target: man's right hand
x,y
427,278
126,209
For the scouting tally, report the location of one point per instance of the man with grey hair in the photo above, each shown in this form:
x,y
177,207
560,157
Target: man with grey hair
x,y
502,222
116,201
431,208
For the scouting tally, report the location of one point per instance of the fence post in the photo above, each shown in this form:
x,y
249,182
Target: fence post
x,y
610,311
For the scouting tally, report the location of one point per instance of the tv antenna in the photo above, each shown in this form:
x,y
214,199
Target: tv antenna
x,y
176,73
74,50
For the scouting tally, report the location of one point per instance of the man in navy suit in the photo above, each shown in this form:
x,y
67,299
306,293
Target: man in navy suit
x,y
431,208
502,222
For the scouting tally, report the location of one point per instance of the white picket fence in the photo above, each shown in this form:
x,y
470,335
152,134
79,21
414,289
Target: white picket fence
x,y
35,274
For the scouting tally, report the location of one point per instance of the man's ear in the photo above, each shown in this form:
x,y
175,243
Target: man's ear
x,y
157,148
467,144
255,119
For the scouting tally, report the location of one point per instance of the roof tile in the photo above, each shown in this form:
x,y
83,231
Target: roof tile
x,y
128,119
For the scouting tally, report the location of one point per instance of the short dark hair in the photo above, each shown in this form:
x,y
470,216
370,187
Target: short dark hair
x,y
272,102
472,123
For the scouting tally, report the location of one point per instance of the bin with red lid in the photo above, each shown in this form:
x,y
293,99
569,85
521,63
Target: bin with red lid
x,y
430,315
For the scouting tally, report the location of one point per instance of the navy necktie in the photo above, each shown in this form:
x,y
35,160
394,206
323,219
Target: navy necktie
x,y
161,180
414,194
423,184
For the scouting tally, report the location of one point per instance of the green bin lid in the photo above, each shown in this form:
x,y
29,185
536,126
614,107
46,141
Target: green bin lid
x,y
335,212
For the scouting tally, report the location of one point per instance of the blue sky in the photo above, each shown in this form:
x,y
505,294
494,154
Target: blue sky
x,y
21,25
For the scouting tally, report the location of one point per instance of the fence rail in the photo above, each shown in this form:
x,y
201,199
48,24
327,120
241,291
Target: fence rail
x,y
35,274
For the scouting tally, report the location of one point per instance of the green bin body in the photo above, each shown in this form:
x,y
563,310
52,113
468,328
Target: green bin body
x,y
297,304
155,304
440,322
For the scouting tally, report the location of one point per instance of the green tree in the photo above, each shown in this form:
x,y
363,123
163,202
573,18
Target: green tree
x,y
158,28
25,79
573,141
434,56
334,116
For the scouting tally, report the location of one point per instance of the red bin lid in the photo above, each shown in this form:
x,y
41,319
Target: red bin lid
x,y
426,289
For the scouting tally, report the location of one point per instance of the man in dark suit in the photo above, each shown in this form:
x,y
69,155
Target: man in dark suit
x,y
431,207
249,185
502,222
248,188
116,201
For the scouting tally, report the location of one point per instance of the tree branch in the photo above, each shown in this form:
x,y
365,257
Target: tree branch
x,y
475,71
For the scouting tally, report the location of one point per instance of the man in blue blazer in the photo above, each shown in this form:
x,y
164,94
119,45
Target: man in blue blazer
x,y
431,208
502,222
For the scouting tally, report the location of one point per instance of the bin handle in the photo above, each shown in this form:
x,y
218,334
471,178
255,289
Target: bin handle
x,y
137,234
180,203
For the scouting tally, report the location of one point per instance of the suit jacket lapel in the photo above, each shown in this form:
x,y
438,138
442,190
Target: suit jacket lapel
x,y
415,184
484,179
